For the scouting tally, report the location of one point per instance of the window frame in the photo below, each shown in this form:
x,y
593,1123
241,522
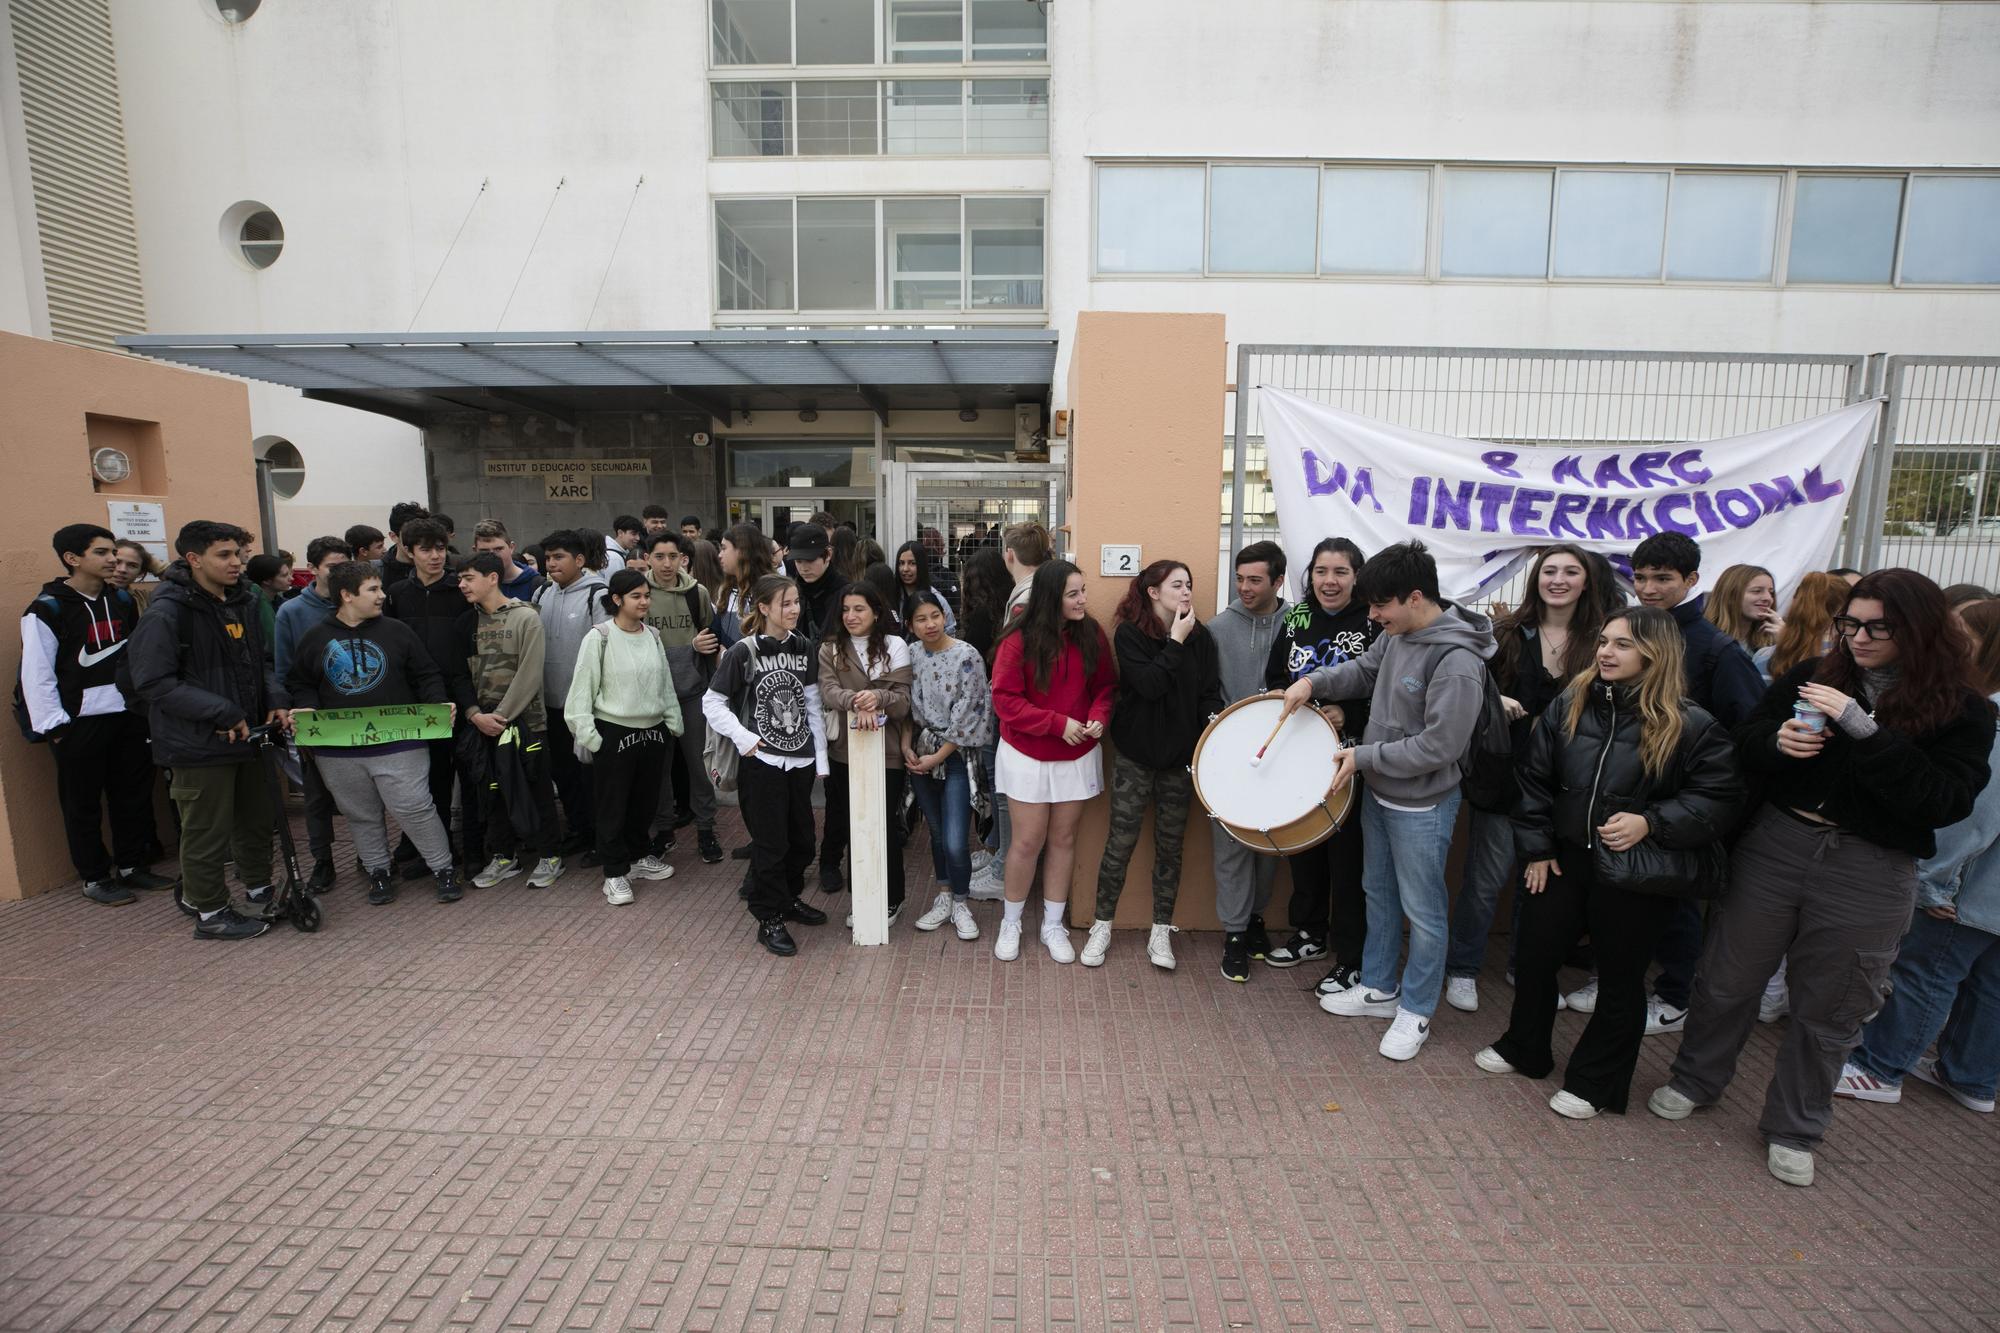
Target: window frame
x,y
880,85
1903,232
883,48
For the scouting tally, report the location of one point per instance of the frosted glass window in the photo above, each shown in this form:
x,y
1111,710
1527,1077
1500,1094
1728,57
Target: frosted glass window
x,y
1723,228
1007,116
1496,224
926,31
924,247
1609,224
1004,238
751,32
926,116
836,254
1374,221
1262,219
753,254
1954,231
1009,30
752,119
1844,228
837,118
1149,219
836,32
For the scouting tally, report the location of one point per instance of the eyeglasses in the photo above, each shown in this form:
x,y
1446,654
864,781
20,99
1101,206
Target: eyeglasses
x,y
1848,627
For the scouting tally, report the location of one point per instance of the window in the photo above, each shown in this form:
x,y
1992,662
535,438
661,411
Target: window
x,y
1149,219
1374,221
926,31
1007,116
753,254
837,119
926,116
942,253
1722,228
236,11
1496,224
1844,228
923,246
1262,219
1013,30
763,468
752,119
1005,238
1954,230
750,32
836,254
1609,224
261,238
287,466
836,32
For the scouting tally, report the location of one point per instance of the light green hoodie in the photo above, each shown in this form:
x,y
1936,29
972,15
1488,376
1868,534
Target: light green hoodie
x,y
623,678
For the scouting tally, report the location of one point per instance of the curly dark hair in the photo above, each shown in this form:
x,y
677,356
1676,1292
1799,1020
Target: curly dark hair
x,y
1934,656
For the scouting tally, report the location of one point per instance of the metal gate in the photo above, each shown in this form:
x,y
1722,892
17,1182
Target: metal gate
x,y
954,508
1935,493
1533,397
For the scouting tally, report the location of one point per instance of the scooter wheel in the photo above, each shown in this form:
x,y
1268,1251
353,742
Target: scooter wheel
x,y
305,913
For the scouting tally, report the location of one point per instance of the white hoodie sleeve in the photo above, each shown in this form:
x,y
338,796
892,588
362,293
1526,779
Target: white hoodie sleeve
x,y
38,676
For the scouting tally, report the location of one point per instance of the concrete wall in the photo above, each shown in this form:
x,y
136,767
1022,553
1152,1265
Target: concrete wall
x,y
202,470
684,478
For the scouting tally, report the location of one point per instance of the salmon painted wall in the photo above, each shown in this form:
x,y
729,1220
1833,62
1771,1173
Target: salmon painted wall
x,y
189,437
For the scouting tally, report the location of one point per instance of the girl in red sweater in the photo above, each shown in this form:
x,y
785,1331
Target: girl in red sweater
x,y
1053,677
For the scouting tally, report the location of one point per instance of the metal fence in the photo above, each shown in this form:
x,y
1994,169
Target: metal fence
x,y
1928,495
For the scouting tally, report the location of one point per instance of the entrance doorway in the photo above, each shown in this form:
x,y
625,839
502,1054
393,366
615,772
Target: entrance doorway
x,y
775,514
955,508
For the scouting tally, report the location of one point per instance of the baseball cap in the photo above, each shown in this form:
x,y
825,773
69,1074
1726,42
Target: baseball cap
x,y
808,542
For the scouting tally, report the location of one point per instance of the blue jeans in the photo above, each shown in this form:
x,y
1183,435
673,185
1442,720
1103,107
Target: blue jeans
x,y
1944,971
1489,864
945,794
1003,828
1403,855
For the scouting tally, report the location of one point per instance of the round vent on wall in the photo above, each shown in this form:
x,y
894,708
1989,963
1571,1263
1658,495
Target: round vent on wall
x,y
110,466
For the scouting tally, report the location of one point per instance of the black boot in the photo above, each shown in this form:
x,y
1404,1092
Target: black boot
x,y
773,936
448,886
322,877
805,913
381,888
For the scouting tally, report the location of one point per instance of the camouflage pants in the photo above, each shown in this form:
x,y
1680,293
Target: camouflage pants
x,y
1132,785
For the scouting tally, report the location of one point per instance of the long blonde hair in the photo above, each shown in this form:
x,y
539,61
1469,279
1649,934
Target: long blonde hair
x,y
1725,606
1660,686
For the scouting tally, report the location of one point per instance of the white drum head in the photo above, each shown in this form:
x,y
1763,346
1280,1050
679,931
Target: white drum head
x,y
1290,781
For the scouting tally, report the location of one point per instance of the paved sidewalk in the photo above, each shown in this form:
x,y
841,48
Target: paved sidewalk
x,y
531,1110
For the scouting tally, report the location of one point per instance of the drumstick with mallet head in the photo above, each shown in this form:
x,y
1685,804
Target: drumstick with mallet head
x,y
1258,757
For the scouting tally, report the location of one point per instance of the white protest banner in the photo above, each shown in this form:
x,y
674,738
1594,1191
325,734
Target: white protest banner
x,y
1774,498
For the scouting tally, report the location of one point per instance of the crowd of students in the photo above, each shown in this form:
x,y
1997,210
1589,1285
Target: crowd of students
x,y
1787,812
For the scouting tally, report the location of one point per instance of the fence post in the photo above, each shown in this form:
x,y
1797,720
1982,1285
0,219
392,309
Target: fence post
x,y
1236,451
868,841
1886,381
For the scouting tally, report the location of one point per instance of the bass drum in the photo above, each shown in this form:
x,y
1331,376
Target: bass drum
x,y
1284,803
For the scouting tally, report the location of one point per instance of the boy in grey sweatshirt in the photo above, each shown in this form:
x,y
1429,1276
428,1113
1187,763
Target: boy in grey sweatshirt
x,y
1243,632
571,604
1426,676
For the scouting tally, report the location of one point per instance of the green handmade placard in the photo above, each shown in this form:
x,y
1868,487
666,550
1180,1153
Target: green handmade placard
x,y
344,728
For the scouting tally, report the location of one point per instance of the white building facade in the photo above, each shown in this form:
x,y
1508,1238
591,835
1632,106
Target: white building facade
x,y
1702,176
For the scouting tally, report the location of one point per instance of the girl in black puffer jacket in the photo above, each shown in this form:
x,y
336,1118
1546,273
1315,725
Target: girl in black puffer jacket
x,y
1626,791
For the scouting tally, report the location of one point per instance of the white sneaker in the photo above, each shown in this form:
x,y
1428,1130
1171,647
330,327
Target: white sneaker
x,y
1794,1166
1925,1071
939,914
1098,945
1669,1104
499,868
617,890
982,857
1569,1105
1775,1004
988,885
1862,1086
1462,993
1663,1017
1363,1002
1160,947
1406,1036
962,922
547,871
1008,947
1584,998
1055,938
650,867
1492,1062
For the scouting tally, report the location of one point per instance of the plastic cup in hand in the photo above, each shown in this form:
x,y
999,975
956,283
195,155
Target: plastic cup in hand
x,y
1812,719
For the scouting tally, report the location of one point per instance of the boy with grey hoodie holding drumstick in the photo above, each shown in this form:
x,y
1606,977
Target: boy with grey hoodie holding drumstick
x,y
1426,679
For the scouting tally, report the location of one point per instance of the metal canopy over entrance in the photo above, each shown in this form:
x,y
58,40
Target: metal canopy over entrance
x,y
719,371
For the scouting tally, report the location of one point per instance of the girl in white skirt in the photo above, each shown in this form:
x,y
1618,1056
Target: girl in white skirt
x,y
1053,678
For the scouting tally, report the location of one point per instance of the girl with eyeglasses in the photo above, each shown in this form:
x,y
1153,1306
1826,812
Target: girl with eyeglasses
x,y
1863,754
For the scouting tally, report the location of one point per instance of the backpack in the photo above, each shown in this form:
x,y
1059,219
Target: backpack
x,y
1490,783
718,753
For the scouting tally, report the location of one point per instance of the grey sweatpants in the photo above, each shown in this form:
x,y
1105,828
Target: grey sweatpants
x,y
1833,908
1243,880
363,785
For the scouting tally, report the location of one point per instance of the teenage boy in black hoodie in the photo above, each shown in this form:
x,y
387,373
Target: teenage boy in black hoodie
x,y
361,659
73,637
197,659
1328,625
430,603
